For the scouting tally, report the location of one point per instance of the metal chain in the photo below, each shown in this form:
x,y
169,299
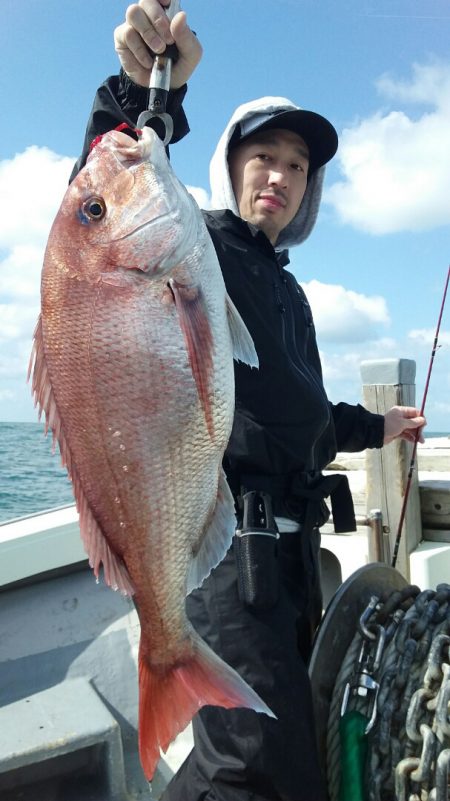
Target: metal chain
x,y
428,726
397,673
391,744
389,614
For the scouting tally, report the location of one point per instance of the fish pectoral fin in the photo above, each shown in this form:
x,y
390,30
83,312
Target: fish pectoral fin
x,y
243,347
95,543
196,328
217,538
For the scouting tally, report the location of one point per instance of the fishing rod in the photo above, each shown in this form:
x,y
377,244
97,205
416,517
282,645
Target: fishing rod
x,y
416,438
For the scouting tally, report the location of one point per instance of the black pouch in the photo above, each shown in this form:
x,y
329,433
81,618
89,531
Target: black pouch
x,y
255,549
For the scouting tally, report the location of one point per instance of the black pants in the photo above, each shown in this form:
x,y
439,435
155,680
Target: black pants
x,y
238,754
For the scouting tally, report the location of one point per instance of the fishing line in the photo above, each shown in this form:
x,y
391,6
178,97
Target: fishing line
x,y
416,439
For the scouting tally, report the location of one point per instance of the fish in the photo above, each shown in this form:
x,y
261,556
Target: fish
x,y
132,367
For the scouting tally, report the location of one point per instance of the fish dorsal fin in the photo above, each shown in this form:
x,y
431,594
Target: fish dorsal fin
x,y
217,539
95,543
243,347
196,328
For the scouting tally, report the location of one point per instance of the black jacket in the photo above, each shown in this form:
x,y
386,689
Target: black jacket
x,y
284,424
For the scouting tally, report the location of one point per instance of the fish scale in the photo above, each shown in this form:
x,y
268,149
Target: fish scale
x,y
133,368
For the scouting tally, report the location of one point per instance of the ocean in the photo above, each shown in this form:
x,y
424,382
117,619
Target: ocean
x,y
31,478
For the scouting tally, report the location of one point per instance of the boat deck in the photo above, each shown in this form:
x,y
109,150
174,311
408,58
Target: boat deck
x,y
59,627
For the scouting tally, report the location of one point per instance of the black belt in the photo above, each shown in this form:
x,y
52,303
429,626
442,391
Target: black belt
x,y
301,496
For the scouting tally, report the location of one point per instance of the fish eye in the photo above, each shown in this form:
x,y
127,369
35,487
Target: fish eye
x,y
94,208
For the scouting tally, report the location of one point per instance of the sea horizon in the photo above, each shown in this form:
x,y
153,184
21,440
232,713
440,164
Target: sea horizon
x,y
32,479
41,423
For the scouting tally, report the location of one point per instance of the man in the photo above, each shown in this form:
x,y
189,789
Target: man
x,y
260,606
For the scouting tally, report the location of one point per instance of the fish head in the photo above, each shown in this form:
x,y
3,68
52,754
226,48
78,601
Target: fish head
x,y
126,210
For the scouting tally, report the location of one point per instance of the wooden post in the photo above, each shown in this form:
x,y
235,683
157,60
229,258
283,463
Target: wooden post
x,y
387,383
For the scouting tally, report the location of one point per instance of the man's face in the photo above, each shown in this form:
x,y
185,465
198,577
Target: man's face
x,y
268,173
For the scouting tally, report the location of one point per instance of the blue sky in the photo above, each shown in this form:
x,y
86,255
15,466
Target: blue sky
x,y
374,267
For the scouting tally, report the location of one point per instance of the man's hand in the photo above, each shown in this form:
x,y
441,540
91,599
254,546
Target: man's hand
x,y
402,422
147,25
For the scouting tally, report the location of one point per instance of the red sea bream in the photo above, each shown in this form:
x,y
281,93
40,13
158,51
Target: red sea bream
x,y
133,368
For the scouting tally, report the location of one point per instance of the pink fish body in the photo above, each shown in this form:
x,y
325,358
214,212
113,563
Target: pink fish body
x,y
133,367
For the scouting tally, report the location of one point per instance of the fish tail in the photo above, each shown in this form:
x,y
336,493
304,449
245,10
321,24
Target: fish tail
x,y
169,701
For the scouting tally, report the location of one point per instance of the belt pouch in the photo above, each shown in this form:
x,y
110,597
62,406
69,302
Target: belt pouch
x,y
255,548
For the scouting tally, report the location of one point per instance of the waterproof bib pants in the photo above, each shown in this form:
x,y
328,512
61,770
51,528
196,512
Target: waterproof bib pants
x,y
238,754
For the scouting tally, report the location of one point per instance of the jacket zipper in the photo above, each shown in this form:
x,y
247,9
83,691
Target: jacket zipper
x,y
298,364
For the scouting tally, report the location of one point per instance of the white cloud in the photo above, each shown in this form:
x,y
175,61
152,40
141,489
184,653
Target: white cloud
x,y
20,272
341,315
15,320
342,366
200,195
395,167
425,336
430,85
32,185
342,375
